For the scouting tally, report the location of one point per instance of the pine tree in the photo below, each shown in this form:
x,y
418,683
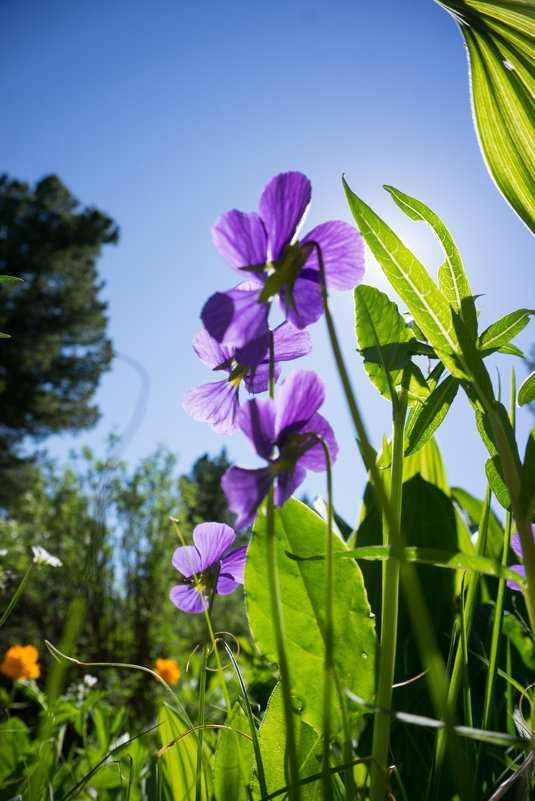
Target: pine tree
x,y
51,365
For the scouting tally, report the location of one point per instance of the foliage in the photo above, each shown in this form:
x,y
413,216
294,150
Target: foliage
x,y
58,349
111,528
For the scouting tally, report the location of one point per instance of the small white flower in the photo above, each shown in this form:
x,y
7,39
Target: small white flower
x,y
42,557
3,552
89,680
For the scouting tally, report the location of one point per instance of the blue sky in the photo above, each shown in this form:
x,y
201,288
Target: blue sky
x,y
167,114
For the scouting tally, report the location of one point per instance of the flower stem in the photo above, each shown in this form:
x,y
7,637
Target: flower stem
x,y
389,613
276,613
329,634
16,596
202,692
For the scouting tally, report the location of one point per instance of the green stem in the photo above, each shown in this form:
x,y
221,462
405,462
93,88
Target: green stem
x,y
202,692
422,627
329,635
276,613
469,608
16,596
389,613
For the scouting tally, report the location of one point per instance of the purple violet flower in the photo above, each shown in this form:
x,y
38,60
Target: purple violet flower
x,y
520,569
204,564
218,403
265,245
292,425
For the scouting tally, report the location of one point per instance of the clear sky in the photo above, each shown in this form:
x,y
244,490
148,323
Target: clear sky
x,y
166,114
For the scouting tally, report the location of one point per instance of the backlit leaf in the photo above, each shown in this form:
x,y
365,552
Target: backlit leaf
x,y
298,530
500,37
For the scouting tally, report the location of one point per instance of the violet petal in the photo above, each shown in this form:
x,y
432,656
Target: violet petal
x,y
290,343
216,403
236,317
187,560
257,421
260,381
314,459
516,546
233,565
307,299
287,483
521,571
209,350
188,599
245,490
212,540
240,239
342,249
282,206
300,396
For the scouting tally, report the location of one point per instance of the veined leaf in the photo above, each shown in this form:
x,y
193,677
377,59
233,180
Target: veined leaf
x,y
410,280
512,350
233,763
425,418
526,393
385,343
500,37
440,323
299,530
494,473
503,331
452,279
273,747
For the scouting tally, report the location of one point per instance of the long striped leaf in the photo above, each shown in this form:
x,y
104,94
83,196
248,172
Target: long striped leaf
x,y
500,37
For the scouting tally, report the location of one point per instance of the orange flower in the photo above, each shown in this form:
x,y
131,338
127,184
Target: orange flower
x,y
167,669
20,663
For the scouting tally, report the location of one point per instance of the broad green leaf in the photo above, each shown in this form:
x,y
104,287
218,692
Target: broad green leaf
x,y
500,37
502,332
527,477
233,764
452,279
385,342
179,761
8,279
299,531
410,280
526,393
273,748
426,417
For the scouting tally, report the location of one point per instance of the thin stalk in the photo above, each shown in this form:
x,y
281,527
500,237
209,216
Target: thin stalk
x,y
276,613
202,693
460,656
494,646
422,627
328,636
389,613
16,596
498,615
224,688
